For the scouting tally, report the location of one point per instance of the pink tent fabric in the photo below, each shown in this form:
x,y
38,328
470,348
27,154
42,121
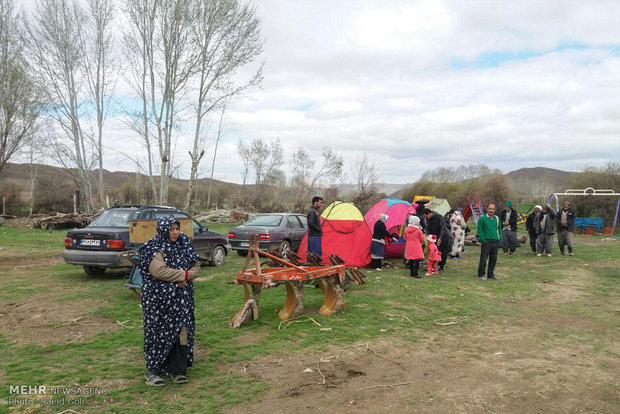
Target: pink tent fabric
x,y
397,211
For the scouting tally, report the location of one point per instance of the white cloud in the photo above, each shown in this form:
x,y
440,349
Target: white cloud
x,y
423,84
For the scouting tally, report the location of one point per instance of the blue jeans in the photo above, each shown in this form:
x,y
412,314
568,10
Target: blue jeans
x,y
314,245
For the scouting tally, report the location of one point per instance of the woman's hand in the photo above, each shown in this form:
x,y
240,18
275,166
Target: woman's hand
x,y
182,284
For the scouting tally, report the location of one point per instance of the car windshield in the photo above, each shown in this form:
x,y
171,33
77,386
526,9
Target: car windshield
x,y
267,221
114,218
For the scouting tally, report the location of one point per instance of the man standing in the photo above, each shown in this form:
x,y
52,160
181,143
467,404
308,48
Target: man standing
x,y
545,226
435,224
566,224
508,217
315,231
530,225
489,233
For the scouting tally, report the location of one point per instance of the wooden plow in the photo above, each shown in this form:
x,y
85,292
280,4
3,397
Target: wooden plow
x,y
294,275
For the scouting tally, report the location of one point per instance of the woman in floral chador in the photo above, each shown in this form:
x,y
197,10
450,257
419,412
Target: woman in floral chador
x,y
457,228
168,264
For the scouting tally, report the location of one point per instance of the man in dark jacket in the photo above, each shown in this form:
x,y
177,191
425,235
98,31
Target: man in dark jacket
x,y
545,227
530,225
435,224
508,217
566,223
315,231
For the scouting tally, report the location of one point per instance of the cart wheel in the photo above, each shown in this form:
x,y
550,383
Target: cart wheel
x,y
135,292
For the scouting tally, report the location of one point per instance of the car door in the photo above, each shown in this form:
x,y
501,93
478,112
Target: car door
x,y
295,230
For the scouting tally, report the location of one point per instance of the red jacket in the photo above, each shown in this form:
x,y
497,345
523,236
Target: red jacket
x,y
414,238
433,253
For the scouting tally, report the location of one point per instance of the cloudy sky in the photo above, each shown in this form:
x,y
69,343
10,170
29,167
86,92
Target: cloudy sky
x,y
423,84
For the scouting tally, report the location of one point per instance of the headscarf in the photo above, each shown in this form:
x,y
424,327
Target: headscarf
x,y
460,210
414,221
383,217
178,255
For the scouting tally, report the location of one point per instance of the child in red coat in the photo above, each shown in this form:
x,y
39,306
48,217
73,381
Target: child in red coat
x,y
433,255
413,248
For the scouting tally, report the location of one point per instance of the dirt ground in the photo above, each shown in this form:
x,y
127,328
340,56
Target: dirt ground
x,y
42,320
497,367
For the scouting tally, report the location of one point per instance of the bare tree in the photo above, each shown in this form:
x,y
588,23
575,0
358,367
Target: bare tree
x,y
138,47
159,39
306,177
244,154
226,36
19,96
56,56
217,141
96,45
265,159
34,150
366,176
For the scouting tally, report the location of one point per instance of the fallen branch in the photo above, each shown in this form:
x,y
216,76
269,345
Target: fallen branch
x,y
288,320
315,322
384,357
318,368
385,386
453,320
71,321
123,324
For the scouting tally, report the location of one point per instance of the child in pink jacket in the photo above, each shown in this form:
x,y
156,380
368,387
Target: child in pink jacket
x,y
433,255
413,248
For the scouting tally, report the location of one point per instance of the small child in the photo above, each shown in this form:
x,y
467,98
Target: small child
x,y
413,248
433,255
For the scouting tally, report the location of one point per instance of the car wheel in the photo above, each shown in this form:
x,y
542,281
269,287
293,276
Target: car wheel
x,y
285,248
94,271
218,256
242,252
51,226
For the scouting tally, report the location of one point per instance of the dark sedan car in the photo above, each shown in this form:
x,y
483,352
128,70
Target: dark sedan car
x,y
276,231
96,246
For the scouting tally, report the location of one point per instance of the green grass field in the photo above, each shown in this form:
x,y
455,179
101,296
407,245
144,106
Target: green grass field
x,y
34,281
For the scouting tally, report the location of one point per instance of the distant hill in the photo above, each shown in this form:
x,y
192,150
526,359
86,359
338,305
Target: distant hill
x,y
558,179
527,181
20,174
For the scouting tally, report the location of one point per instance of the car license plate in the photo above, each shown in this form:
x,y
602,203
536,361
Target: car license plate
x,y
90,242
244,244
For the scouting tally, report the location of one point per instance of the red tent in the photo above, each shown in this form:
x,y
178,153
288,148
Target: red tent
x,y
345,234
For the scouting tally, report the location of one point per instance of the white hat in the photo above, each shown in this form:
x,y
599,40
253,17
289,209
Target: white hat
x,y
414,221
537,207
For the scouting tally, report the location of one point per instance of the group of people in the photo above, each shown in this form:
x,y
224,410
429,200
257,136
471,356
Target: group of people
x,y
442,236
541,225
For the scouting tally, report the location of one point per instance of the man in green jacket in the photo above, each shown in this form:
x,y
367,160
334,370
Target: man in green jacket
x,y
489,233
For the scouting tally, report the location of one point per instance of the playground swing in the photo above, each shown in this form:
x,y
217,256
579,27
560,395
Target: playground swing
x,y
588,192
